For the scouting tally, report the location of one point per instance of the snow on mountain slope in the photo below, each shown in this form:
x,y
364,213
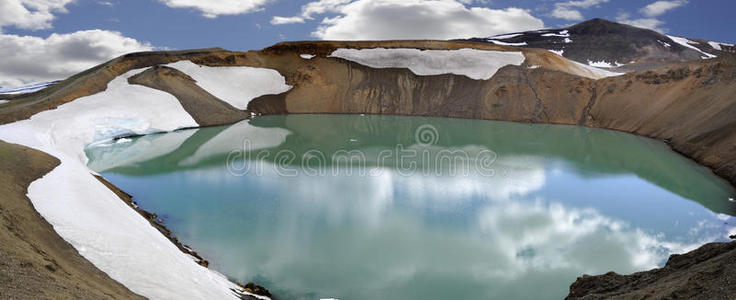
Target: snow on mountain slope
x,y
26,89
507,44
234,85
599,40
91,217
688,43
475,64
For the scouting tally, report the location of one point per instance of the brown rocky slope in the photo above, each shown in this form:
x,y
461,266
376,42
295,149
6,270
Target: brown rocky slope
x,y
691,105
35,263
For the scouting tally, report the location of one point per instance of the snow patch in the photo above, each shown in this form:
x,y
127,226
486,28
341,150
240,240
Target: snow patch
x,y
26,89
664,44
505,36
234,85
600,73
307,56
718,45
4,101
687,43
91,217
475,64
604,64
715,45
507,44
558,52
563,33
568,40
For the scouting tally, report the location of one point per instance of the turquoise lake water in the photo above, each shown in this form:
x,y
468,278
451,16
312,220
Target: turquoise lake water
x,y
390,207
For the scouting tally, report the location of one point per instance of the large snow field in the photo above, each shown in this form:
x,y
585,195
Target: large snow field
x,y
88,215
234,85
475,64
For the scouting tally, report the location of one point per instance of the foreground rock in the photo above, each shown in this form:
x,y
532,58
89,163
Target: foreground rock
x,y
705,273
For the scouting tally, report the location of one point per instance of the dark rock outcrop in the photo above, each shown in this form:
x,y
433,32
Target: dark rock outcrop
x,y
705,273
601,40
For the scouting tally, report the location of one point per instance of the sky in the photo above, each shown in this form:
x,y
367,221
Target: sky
x,y
45,40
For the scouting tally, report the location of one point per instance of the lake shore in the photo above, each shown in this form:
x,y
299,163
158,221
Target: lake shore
x,y
604,104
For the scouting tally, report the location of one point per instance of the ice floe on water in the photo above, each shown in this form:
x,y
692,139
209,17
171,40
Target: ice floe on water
x,y
235,85
92,218
475,64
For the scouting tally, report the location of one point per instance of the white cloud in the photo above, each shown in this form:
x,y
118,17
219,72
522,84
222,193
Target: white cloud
x,y
414,19
648,23
661,7
30,14
29,59
215,8
650,12
569,10
286,20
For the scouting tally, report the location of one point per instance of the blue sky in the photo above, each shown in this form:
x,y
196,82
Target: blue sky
x,y
131,25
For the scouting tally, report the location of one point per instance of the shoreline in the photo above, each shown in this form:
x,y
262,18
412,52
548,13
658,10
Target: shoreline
x,y
605,108
250,287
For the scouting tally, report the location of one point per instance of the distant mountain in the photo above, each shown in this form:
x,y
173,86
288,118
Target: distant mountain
x,y
603,43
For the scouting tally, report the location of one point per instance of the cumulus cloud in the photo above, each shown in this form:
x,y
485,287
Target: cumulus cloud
x,y
30,14
570,10
650,12
648,23
28,59
286,20
214,8
661,7
412,19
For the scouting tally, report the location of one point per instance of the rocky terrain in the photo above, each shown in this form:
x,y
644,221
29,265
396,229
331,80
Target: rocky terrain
x,y
35,261
670,93
609,44
705,273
